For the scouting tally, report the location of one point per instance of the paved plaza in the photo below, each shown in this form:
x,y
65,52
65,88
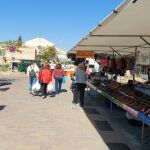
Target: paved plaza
x,y
33,123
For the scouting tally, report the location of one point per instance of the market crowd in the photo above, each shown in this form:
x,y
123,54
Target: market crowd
x,y
40,81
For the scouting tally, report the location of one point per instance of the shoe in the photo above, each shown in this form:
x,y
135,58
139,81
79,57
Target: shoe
x,y
73,106
81,105
78,104
32,93
43,97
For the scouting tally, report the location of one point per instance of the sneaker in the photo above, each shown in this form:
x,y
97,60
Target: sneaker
x,y
43,97
81,105
73,106
32,93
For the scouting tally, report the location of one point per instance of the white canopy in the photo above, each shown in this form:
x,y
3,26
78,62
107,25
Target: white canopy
x,y
126,28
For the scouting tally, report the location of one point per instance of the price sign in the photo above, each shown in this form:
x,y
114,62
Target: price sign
x,y
85,54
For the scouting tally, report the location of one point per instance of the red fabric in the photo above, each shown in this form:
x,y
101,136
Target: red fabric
x,y
88,71
45,75
104,62
59,73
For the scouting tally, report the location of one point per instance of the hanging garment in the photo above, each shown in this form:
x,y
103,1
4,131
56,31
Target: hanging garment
x,y
104,62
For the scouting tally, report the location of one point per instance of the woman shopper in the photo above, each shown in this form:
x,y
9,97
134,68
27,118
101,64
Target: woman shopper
x,y
80,76
45,77
32,72
58,76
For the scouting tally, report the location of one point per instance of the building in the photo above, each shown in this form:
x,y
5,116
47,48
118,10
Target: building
x,y
29,51
40,43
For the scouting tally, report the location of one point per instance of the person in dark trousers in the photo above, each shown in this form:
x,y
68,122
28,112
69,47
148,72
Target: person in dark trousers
x,y
80,76
58,76
74,91
45,77
32,72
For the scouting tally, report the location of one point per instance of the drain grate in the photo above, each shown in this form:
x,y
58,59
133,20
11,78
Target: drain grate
x,y
91,111
103,126
118,146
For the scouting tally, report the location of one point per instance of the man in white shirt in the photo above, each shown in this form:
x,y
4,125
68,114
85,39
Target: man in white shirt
x,y
32,72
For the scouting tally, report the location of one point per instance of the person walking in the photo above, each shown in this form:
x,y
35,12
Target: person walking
x,y
73,88
80,76
32,72
58,76
45,77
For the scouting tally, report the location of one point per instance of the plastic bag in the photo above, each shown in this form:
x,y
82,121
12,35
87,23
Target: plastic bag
x,y
64,80
36,86
49,87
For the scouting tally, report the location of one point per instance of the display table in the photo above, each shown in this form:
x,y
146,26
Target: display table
x,y
125,107
137,114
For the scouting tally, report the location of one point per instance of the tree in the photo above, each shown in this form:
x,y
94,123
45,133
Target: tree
x,y
19,42
13,45
47,54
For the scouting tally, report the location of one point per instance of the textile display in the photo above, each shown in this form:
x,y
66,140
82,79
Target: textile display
x,y
144,57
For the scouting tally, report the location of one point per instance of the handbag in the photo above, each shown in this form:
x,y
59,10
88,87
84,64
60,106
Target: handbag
x,y
36,86
64,80
49,87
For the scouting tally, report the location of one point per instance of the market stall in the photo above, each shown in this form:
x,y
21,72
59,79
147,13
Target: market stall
x,y
122,34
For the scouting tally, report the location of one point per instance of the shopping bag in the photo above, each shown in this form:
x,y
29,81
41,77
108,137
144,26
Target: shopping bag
x,y
64,80
49,87
36,86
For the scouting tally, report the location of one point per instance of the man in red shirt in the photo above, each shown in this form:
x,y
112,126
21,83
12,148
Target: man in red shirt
x,y
45,77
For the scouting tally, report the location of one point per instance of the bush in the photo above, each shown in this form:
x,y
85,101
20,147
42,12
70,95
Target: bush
x,y
4,68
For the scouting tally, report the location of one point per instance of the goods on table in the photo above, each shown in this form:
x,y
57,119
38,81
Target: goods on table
x,y
134,95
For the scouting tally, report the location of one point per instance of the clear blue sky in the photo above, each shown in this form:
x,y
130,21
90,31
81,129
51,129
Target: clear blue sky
x,y
63,22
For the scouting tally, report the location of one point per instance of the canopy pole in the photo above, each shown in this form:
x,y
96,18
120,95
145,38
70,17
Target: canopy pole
x,y
116,51
113,54
135,62
145,40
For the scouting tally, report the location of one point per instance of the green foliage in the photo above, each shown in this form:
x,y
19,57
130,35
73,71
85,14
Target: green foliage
x,y
19,42
48,53
4,68
12,43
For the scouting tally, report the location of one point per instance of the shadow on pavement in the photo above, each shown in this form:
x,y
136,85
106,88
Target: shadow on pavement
x,y
4,82
102,126
2,107
63,90
4,89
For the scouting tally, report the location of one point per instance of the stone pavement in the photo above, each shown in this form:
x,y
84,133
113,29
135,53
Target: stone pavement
x,y
31,123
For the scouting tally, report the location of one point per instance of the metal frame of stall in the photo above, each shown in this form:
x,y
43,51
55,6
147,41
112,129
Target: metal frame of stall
x,y
133,112
93,39
118,53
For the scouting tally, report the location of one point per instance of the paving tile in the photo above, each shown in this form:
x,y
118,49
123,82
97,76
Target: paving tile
x,y
103,125
88,104
118,146
91,111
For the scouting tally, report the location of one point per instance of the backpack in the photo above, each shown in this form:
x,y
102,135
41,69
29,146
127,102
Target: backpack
x,y
32,73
